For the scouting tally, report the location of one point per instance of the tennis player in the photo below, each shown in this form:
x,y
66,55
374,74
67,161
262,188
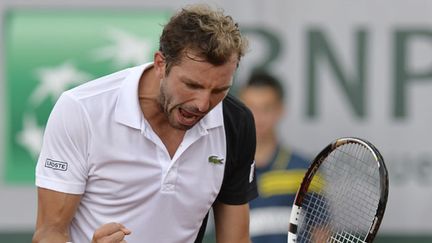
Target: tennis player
x,y
141,155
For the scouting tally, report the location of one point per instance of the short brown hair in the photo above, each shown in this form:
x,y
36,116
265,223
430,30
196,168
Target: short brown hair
x,y
207,33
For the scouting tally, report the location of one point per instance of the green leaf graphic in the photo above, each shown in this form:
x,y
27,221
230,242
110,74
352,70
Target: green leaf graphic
x,y
49,51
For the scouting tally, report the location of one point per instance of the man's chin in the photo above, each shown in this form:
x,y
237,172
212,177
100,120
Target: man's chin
x,y
180,126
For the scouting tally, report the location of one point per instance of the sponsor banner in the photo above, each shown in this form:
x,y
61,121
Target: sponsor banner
x,y
49,51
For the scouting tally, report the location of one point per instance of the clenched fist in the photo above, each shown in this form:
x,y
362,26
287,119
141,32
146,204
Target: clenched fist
x,y
110,233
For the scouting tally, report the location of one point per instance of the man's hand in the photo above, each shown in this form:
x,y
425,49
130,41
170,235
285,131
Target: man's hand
x,y
111,233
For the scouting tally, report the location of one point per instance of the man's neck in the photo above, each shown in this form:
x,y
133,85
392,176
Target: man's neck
x,y
148,93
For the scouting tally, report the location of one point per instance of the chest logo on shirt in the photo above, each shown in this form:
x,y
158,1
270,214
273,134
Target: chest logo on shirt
x,y
213,159
56,165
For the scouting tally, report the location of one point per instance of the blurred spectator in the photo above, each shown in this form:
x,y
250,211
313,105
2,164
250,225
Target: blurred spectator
x,y
279,169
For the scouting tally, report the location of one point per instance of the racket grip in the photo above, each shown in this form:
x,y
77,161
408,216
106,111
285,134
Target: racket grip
x,y
294,218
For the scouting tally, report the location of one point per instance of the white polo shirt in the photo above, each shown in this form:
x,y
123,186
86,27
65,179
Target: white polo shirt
x,y
97,143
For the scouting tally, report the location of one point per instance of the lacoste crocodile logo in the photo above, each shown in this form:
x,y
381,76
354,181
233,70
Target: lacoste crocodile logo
x,y
215,160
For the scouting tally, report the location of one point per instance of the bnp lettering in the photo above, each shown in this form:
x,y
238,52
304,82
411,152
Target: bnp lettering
x,y
352,80
321,54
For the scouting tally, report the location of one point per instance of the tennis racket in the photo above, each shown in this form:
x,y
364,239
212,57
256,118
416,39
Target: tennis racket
x,y
343,195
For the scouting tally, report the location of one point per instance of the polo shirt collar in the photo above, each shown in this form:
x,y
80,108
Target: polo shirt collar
x,y
213,119
128,110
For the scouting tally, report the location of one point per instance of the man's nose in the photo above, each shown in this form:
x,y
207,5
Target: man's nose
x,y
203,101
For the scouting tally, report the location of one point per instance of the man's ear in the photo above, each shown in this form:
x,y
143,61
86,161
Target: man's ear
x,y
159,64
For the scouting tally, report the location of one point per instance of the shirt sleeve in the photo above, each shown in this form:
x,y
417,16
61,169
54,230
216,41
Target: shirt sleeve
x,y
62,163
239,183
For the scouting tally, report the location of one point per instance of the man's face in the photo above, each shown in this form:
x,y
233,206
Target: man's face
x,y
267,109
192,88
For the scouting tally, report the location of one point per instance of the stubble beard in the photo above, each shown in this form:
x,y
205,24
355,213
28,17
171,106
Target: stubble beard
x,y
164,102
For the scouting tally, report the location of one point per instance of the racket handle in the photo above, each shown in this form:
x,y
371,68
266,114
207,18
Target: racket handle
x,y
292,229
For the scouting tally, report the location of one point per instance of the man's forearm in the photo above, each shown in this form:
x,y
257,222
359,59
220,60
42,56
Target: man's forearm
x,y
49,236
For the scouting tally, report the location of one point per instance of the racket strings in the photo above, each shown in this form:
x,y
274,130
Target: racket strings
x,y
343,197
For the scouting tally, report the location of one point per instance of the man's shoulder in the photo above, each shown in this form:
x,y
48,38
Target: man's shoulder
x,y
235,109
99,85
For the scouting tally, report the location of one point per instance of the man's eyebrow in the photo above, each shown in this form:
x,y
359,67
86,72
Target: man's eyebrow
x,y
223,88
190,81
197,84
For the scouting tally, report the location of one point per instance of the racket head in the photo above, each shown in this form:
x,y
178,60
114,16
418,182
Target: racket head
x,y
343,195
